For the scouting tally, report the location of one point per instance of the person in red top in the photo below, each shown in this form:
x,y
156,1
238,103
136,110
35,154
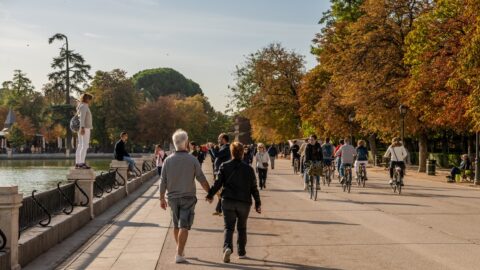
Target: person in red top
x,y
339,158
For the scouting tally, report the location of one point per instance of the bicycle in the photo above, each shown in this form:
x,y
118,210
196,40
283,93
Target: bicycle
x,y
361,175
296,165
313,169
397,180
328,172
347,182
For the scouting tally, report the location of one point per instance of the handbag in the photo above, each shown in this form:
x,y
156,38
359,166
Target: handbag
x,y
75,123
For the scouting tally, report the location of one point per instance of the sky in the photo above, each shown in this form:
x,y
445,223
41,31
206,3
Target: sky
x,y
202,39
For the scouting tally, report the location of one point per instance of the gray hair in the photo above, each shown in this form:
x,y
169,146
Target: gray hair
x,y
180,138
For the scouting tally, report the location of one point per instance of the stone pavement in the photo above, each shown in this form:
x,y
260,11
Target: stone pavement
x,y
431,225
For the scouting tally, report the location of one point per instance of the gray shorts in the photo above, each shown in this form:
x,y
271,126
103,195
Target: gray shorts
x,y
183,211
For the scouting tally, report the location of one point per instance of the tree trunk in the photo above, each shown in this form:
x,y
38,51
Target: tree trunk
x,y
422,153
470,146
373,147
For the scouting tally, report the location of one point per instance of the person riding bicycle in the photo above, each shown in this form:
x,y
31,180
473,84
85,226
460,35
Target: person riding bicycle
x,y
347,155
397,153
302,155
327,149
295,151
362,157
313,155
338,158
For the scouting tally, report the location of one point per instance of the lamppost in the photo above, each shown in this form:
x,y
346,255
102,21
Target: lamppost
x,y
403,111
351,119
477,159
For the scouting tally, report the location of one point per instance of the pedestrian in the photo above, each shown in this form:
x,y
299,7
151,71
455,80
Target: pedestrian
x,y
247,155
85,116
262,160
160,157
221,155
272,153
201,155
177,181
239,186
120,152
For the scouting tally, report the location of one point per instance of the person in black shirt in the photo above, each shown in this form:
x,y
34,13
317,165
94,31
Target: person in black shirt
x,y
313,154
121,154
295,149
239,186
221,155
272,153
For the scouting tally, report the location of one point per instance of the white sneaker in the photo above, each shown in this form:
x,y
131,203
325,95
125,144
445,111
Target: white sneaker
x,y
226,255
180,259
391,181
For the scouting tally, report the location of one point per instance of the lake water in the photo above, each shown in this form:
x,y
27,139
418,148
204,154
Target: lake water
x,y
41,174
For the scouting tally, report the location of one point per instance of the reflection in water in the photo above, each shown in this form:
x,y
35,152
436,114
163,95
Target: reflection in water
x,y
41,174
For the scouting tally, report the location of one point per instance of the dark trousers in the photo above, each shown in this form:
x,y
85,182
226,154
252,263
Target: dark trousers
x,y
218,208
262,177
159,169
235,213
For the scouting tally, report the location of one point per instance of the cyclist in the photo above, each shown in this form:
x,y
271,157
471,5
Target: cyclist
x,y
347,155
302,155
327,149
338,158
362,157
397,153
294,150
313,154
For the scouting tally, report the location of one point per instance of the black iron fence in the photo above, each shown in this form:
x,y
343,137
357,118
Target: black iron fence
x,y
39,208
3,240
106,183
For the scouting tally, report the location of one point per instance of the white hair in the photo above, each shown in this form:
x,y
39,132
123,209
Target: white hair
x,y
180,138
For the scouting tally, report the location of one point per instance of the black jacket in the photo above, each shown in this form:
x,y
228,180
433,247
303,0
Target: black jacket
x,y
120,150
222,155
313,152
241,186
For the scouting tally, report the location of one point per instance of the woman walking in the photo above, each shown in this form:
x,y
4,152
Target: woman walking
x,y
160,157
239,186
85,116
262,159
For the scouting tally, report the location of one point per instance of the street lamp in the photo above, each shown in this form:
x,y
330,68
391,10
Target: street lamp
x,y
403,111
351,119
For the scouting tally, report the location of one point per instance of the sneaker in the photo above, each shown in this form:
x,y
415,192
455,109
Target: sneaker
x,y
304,186
226,255
180,259
391,181
84,166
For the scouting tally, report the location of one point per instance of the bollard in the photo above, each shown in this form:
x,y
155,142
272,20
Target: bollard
x,y
431,165
10,202
122,176
85,179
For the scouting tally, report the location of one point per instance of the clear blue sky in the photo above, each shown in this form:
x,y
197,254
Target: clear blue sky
x,y
203,39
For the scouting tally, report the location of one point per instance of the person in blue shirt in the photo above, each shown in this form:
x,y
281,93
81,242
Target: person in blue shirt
x,y
362,156
272,153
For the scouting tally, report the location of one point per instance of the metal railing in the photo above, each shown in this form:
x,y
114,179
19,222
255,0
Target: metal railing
x,y
3,240
39,208
106,183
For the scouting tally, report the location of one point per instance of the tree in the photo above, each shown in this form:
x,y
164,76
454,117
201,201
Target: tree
x,y
72,73
114,108
266,92
163,82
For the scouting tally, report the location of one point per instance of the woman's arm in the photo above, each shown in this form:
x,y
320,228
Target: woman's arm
x,y
218,183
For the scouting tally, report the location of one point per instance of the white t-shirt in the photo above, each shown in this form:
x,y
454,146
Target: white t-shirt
x,y
397,153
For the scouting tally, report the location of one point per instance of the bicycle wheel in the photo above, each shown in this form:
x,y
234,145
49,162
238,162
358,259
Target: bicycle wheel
x,y
349,182
395,184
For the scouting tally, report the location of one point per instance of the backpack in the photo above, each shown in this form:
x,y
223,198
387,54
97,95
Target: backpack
x,y
327,150
75,123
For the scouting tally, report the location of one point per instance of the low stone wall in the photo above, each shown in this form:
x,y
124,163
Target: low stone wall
x,y
36,240
4,260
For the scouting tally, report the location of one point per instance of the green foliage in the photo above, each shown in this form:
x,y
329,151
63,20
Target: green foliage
x,y
163,82
342,10
16,136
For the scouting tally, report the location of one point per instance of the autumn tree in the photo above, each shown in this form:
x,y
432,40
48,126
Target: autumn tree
x,y
265,91
114,107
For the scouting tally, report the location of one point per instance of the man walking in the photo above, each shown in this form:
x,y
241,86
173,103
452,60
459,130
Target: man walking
x,y
221,155
178,179
272,153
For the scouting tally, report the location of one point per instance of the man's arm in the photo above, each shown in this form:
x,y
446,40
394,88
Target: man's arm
x,y
163,187
223,152
83,114
217,184
200,176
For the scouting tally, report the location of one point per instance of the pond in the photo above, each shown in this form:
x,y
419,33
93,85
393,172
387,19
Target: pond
x,y
41,174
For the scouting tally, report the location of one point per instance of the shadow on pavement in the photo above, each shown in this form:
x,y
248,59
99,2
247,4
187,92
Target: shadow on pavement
x,y
315,222
267,264
221,231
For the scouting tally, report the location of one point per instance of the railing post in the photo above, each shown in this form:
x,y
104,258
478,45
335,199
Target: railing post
x,y
84,179
122,168
10,202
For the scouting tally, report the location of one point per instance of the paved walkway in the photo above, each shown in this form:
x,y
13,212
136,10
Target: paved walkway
x,y
431,226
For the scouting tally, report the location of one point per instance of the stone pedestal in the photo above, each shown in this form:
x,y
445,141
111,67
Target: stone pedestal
x,y
122,167
85,179
10,202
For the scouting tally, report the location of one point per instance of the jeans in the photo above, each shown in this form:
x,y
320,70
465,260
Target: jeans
x,y
83,143
131,163
342,168
339,163
235,213
262,177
